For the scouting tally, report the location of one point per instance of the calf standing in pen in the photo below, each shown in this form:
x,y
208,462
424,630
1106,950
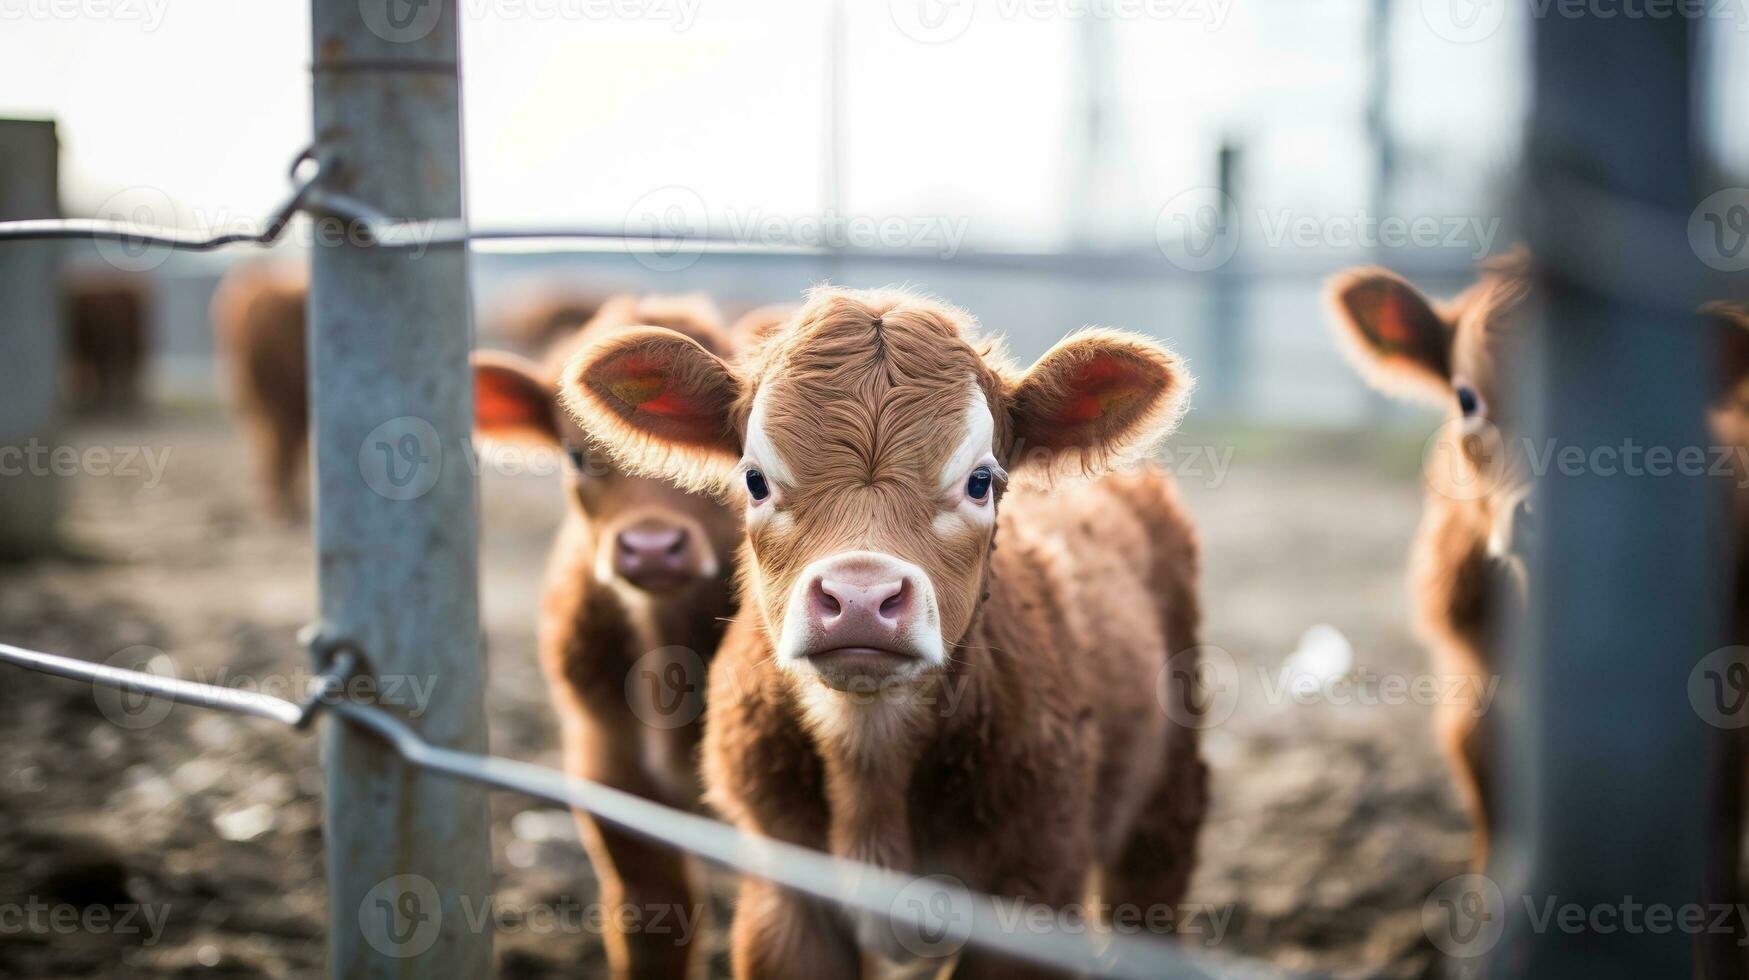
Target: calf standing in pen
x,y
637,594
109,336
258,323
1468,569
896,689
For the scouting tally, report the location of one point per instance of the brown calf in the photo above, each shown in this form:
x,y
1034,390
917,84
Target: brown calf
x,y
1467,571
537,317
258,322
636,598
108,337
896,689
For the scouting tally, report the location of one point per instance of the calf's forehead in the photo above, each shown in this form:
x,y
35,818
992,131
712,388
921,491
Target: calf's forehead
x,y
869,424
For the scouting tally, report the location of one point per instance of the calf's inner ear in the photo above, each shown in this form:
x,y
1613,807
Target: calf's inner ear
x,y
513,402
1097,395
659,401
1397,339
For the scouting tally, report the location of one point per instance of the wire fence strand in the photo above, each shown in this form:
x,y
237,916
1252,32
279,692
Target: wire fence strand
x,y
929,906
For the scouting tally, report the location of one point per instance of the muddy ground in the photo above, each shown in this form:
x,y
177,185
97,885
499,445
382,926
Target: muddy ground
x,y
1331,821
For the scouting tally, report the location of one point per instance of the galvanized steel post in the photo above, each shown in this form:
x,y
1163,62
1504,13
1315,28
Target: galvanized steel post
x,y
30,342
1605,811
396,528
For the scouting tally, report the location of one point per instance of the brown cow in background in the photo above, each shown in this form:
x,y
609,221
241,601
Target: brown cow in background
x,y
108,337
258,314
534,317
1467,568
1468,552
636,596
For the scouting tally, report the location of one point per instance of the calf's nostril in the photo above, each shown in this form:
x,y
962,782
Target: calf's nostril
x,y
895,604
825,603
679,543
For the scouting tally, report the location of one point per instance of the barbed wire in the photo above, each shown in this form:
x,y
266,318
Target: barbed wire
x,y
929,905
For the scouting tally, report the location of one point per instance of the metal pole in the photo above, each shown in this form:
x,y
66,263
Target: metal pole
x,y
30,342
1224,370
1607,757
396,528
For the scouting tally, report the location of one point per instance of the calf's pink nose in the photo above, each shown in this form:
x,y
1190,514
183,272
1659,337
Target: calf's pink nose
x,y
861,604
651,552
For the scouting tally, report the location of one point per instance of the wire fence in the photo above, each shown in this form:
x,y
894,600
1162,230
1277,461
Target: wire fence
x,y
947,916
368,226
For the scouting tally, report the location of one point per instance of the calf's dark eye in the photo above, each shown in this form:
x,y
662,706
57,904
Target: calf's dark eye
x,y
978,484
757,486
1467,400
579,458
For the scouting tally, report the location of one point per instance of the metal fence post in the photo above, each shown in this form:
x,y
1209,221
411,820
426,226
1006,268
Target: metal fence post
x,y
30,341
1605,809
396,528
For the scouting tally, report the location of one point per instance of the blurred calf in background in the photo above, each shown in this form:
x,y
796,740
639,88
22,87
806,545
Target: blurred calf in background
x,y
1468,569
258,315
109,336
534,318
636,598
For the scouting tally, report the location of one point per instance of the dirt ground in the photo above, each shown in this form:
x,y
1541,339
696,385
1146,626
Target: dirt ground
x,y
1331,822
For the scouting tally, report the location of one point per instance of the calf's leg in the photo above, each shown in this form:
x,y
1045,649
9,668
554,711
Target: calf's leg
x,y
649,909
1463,736
779,935
1145,884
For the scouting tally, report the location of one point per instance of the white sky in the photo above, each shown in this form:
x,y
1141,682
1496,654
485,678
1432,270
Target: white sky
x,y
572,121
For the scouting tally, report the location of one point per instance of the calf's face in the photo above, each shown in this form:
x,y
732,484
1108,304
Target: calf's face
x,y
651,537
869,438
1465,356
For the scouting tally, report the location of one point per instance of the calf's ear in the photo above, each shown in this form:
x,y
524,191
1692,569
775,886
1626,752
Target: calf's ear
x,y
512,401
661,404
1097,397
1392,334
